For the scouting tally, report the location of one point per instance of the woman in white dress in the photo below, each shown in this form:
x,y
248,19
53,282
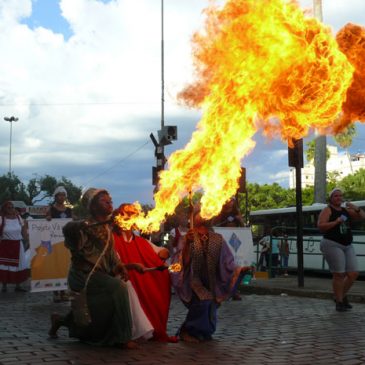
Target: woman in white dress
x,y
14,264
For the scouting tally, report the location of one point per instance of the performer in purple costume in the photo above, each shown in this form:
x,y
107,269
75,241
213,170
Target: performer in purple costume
x,y
208,277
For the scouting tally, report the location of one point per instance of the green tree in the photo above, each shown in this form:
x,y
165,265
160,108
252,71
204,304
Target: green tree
x,y
272,196
309,152
267,197
48,184
333,180
345,138
308,195
11,187
353,185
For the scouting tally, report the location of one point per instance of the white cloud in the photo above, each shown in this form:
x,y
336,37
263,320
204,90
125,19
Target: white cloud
x,y
89,101
32,142
280,176
12,11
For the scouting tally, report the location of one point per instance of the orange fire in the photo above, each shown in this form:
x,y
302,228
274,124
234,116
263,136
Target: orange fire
x,y
259,64
175,267
351,40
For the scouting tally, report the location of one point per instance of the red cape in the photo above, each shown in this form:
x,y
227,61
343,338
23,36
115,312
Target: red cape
x,y
153,288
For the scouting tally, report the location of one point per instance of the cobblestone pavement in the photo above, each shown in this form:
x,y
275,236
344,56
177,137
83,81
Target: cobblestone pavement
x,y
260,329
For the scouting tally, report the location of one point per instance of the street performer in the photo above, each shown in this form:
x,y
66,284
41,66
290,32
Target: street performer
x,y
208,277
116,318
153,288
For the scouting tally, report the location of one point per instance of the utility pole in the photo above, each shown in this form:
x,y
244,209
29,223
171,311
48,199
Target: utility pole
x,y
320,152
162,77
10,120
167,133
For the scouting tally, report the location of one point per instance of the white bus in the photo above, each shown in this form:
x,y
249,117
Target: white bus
x,y
284,221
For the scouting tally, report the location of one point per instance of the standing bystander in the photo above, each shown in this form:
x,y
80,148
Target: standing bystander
x,y
284,254
14,264
59,210
336,245
273,254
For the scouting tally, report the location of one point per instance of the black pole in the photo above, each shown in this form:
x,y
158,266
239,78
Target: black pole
x,y
299,207
295,157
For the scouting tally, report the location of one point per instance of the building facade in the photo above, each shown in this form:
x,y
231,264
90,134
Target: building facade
x,y
341,162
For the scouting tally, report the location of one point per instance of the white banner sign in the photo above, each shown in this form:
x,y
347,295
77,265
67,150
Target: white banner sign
x,y
50,259
239,240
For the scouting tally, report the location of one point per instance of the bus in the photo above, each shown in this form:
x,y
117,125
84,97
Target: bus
x,y
282,221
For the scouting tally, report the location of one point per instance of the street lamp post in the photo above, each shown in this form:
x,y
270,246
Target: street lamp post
x,y
10,120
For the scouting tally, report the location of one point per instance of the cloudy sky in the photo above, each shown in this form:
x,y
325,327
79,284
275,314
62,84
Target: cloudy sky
x,y
84,79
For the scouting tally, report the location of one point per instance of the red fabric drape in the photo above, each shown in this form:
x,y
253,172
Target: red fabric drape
x,y
153,288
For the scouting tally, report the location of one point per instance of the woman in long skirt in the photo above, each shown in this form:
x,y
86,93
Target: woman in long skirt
x,y
14,263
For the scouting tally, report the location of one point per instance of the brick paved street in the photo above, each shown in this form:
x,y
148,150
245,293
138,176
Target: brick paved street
x,y
260,329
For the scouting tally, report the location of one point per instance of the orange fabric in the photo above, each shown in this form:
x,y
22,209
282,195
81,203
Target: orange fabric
x,y
153,288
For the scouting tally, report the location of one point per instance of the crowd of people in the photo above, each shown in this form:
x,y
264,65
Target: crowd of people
x,y
119,281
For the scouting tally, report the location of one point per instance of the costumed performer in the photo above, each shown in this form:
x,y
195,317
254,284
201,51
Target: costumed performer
x,y
208,277
153,288
116,316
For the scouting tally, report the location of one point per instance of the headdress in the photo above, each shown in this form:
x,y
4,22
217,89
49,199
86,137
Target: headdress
x,y
60,189
89,195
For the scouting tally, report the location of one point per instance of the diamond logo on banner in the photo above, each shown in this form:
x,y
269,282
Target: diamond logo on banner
x,y
235,242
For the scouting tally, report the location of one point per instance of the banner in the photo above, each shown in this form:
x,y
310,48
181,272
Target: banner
x,y
239,240
50,259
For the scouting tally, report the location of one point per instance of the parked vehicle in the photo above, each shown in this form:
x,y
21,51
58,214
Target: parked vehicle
x,y
283,221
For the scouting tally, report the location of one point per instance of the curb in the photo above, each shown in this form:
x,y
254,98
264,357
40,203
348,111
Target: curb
x,y
298,292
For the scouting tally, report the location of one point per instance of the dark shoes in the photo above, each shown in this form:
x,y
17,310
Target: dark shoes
x,y
343,306
20,289
340,307
56,323
346,303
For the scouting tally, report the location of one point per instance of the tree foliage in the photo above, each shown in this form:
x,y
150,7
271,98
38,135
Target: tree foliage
x,y
353,185
310,151
12,188
345,138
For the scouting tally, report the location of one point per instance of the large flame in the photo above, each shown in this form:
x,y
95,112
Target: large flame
x,y
351,40
258,64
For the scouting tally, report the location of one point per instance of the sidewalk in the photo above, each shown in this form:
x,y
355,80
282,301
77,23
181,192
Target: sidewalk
x,y
314,287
